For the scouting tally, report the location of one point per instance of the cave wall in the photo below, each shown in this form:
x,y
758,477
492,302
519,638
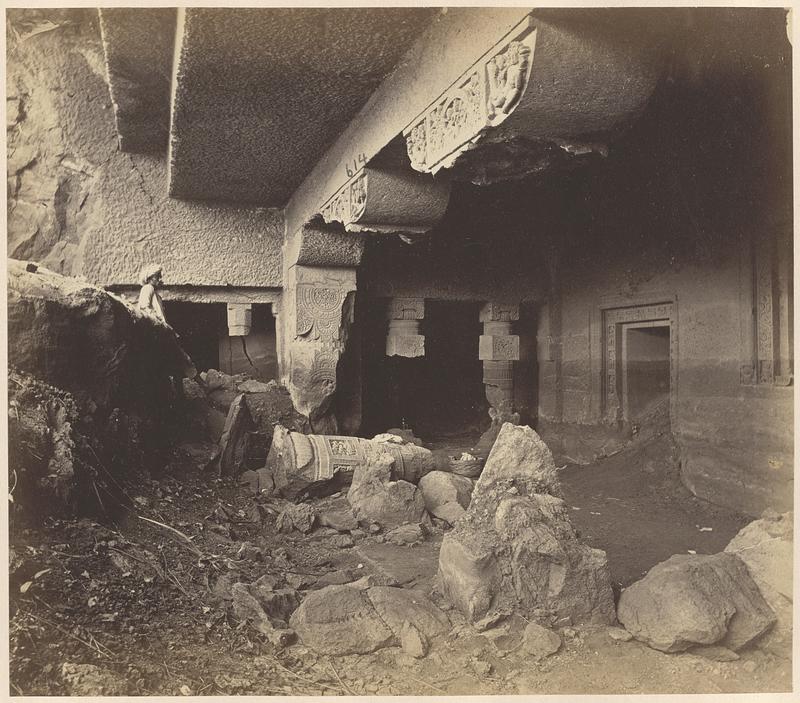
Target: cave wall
x,y
79,205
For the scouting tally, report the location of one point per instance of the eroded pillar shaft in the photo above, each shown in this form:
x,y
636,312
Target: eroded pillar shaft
x,y
499,349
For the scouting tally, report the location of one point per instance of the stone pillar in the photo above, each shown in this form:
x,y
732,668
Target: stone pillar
x,y
240,319
403,337
498,349
318,305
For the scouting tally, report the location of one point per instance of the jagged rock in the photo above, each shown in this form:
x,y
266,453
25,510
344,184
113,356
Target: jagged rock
x,y
339,520
695,599
266,610
515,548
766,547
341,620
539,642
413,642
302,464
446,495
300,517
406,535
374,496
230,456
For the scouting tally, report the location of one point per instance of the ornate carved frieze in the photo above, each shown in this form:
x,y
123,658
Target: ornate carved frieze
x,y
319,312
348,204
544,93
482,98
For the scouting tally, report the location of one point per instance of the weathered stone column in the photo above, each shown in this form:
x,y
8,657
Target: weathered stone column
x,y
319,311
498,349
403,337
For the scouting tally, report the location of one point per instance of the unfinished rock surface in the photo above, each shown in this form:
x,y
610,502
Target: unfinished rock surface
x,y
341,620
446,495
301,463
374,496
766,547
695,599
515,548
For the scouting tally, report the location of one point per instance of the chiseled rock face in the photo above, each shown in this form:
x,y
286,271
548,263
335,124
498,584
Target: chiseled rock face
x,y
515,547
695,599
344,620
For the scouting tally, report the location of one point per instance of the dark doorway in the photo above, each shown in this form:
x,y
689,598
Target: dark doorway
x,y
436,395
200,326
255,354
645,368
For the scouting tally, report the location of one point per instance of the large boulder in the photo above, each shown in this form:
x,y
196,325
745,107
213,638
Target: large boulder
x,y
695,599
515,548
766,547
446,495
341,620
374,497
82,339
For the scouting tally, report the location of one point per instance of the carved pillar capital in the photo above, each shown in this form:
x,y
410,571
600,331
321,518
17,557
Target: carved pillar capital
x,y
403,337
388,200
240,319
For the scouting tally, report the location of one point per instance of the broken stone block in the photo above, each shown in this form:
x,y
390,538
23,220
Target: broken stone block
x,y
339,520
398,605
344,620
300,517
539,642
340,620
301,463
413,641
695,599
375,497
446,495
406,535
516,549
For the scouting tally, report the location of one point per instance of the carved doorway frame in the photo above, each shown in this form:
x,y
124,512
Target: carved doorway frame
x,y
610,317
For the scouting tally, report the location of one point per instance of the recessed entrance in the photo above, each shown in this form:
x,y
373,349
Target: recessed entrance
x,y
645,368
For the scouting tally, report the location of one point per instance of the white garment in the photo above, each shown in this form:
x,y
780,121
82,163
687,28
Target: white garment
x,y
149,299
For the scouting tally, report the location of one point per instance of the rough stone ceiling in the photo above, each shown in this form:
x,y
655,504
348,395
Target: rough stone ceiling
x,y
261,93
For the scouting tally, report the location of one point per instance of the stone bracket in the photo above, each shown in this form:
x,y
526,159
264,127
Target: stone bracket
x,y
382,200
